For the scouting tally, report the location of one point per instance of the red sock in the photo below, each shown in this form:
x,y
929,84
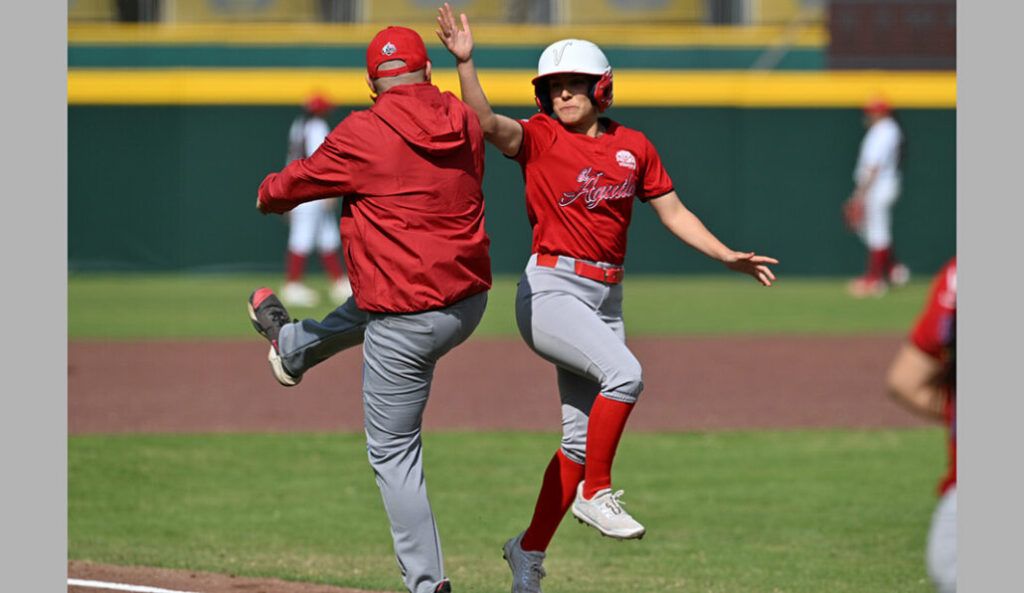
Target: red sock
x,y
607,421
878,264
333,265
556,495
890,262
295,265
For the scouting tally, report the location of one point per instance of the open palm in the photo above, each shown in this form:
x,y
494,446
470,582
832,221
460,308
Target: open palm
x,y
755,265
459,42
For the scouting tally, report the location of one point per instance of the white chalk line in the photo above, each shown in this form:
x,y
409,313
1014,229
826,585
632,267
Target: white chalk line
x,y
121,587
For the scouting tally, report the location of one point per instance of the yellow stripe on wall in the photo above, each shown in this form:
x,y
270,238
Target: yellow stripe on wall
x,y
633,88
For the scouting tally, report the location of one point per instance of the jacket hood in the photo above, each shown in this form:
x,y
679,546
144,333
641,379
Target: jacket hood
x,y
423,116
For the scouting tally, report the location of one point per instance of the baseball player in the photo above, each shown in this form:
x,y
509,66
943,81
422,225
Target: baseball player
x,y
312,224
868,210
582,173
923,378
410,170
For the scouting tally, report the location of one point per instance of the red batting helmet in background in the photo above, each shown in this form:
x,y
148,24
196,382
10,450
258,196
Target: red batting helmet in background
x,y
877,106
317,105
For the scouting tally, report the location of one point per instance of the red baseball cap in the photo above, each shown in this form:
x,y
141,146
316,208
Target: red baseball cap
x,y
877,106
395,43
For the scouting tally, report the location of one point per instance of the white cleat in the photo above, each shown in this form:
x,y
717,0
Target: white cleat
x,y
862,288
341,290
527,566
899,275
604,512
298,294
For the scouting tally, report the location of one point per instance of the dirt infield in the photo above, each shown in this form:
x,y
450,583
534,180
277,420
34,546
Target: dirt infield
x,y
716,383
186,581
692,384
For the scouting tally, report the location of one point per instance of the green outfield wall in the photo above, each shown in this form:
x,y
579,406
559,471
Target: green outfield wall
x,y
316,56
174,187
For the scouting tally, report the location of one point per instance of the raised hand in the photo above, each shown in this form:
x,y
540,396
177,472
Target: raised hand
x,y
748,263
458,42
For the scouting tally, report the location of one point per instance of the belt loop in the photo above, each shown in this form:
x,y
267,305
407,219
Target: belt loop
x,y
546,260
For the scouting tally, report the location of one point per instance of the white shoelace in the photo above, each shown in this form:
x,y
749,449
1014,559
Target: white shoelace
x,y
612,505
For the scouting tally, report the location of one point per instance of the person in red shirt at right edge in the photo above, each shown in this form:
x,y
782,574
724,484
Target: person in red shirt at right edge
x,y
922,377
583,174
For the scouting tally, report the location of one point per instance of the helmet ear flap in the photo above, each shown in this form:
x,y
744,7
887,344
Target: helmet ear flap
x,y
542,96
601,91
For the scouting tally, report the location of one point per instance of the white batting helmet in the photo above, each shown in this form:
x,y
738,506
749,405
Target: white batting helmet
x,y
574,56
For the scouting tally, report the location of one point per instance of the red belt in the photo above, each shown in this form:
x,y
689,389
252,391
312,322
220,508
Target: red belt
x,y
581,268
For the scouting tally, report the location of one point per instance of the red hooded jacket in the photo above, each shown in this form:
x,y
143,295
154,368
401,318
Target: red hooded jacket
x,y
412,221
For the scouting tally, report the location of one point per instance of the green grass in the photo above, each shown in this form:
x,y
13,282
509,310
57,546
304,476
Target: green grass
x,y
777,512
781,511
131,306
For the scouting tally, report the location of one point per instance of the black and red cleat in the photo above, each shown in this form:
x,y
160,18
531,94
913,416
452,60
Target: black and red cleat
x,y
267,313
268,316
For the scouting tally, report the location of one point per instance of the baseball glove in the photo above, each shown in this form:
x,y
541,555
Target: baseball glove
x,y
853,214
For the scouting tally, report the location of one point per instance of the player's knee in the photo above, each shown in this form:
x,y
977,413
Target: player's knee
x,y
625,386
575,450
574,433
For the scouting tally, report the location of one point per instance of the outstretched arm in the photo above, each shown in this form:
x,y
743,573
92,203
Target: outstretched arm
x,y
688,228
502,131
915,380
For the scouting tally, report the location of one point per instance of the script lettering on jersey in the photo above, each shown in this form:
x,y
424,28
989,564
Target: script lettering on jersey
x,y
593,193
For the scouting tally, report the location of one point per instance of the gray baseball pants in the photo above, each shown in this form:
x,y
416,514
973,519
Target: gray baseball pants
x,y
576,323
400,352
941,549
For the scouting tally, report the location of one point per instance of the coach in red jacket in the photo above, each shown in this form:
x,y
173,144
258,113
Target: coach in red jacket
x,y
412,227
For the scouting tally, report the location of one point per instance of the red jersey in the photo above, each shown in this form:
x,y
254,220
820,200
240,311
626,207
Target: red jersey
x,y
580,190
933,334
412,221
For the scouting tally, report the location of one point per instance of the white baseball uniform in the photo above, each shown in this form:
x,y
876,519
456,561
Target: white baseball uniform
x,y
880,148
313,224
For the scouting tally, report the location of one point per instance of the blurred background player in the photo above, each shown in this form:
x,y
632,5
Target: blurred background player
x,y
868,211
923,378
313,224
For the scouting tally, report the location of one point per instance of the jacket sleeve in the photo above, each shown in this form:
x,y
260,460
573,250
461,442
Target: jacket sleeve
x,y
329,172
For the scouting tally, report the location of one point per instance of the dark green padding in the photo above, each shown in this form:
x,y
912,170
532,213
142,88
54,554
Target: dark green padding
x,y
174,188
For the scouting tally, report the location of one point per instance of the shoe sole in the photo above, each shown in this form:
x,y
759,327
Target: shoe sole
x,y
255,322
585,521
504,554
277,367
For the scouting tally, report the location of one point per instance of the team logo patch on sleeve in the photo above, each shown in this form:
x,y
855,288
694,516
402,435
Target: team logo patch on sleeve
x,y
626,159
388,49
